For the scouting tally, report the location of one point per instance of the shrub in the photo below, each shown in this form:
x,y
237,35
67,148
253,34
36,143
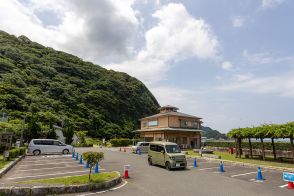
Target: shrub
x,y
121,142
255,145
14,153
92,158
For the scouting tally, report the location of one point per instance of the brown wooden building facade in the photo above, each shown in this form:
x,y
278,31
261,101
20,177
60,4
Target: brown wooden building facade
x,y
173,126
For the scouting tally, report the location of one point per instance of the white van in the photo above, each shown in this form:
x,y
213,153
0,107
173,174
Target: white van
x,y
142,146
48,146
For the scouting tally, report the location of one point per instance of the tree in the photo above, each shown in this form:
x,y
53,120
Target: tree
x,y
92,159
81,136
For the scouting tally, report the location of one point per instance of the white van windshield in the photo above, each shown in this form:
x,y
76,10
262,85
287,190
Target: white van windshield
x,y
172,149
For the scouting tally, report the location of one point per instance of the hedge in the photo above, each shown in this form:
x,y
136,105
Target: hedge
x,y
14,153
255,145
89,142
121,142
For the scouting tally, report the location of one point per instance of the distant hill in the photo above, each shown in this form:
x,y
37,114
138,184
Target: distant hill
x,y
210,133
53,87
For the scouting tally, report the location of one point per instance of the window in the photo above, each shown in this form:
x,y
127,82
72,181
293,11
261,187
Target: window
x,y
153,147
145,144
194,125
153,123
37,142
184,123
47,142
160,148
144,124
172,149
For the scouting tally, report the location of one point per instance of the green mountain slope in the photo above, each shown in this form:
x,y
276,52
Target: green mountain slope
x,y
210,133
54,87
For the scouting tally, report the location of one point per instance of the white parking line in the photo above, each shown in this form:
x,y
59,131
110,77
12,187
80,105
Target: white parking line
x,y
23,165
244,174
85,171
208,168
48,168
48,160
283,186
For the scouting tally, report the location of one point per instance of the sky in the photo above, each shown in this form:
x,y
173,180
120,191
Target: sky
x,y
228,62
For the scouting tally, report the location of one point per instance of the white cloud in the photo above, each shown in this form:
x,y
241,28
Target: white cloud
x,y
280,85
238,21
95,30
271,3
227,65
264,58
175,37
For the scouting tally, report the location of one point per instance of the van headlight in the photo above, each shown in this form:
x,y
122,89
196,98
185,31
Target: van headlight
x,y
172,158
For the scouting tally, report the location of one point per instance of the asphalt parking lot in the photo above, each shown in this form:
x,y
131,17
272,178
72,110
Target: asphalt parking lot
x,y
203,180
44,166
153,180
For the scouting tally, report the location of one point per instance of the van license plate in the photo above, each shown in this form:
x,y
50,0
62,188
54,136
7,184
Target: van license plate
x,y
178,164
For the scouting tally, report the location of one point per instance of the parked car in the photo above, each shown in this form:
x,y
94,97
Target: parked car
x,y
48,146
166,154
142,146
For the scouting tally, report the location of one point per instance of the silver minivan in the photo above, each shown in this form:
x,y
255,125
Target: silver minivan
x,y
48,146
142,146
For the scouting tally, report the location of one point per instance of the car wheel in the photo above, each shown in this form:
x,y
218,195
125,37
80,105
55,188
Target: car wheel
x,y
167,166
150,161
65,151
37,152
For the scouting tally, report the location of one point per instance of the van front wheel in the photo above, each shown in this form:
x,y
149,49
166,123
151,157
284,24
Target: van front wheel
x,y
150,161
37,152
65,151
167,165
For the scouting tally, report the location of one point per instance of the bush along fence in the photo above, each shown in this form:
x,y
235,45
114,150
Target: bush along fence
x,y
121,142
14,153
272,131
255,145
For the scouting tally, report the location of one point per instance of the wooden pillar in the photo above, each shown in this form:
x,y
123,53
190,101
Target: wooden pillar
x,y
250,147
274,149
263,152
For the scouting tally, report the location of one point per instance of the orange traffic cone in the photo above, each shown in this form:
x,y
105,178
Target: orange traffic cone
x,y
125,150
290,185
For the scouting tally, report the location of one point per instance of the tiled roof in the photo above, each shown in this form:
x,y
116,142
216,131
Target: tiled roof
x,y
171,114
168,129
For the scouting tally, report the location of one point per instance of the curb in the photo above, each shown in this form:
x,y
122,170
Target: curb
x,y
59,189
10,165
248,164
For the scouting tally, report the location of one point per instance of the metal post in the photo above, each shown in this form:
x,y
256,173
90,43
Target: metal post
x,y
22,130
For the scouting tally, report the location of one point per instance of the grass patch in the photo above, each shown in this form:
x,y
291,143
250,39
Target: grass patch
x,y
3,163
75,180
231,157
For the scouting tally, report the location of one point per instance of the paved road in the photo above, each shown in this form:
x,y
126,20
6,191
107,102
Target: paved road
x,y
156,181
204,180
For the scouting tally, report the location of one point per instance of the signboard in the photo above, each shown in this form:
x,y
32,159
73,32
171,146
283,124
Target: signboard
x,y
288,177
6,153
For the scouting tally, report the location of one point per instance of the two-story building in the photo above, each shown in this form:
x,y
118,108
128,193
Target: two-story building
x,y
173,126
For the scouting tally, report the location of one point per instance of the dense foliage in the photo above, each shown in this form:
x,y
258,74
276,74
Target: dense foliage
x,y
264,131
210,133
14,153
52,87
121,142
255,145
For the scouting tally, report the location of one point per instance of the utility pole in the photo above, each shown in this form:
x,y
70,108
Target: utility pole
x,y
22,130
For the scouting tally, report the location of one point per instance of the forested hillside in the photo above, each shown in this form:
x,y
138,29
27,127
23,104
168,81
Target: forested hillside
x,y
52,87
210,133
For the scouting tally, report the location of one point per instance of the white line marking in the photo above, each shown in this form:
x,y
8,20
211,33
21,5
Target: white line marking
x,y
283,186
85,171
49,168
100,192
225,166
23,165
255,172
